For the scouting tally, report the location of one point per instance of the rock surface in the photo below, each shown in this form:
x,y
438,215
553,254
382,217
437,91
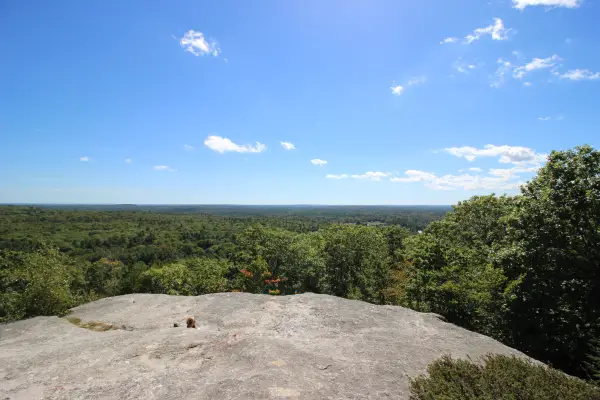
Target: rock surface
x,y
245,346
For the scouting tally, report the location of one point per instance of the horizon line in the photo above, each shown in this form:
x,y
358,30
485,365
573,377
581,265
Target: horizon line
x,y
223,204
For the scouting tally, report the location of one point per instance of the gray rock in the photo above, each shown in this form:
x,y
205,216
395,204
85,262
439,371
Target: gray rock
x,y
245,346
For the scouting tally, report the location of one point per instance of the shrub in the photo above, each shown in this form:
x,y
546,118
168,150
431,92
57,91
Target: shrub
x,y
498,377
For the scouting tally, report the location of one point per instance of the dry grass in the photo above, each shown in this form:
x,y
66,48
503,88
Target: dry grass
x,y
91,325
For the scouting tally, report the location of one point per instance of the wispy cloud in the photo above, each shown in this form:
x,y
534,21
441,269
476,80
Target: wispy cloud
x,y
223,145
535,64
580,75
549,117
195,43
333,176
187,147
128,161
415,176
522,4
496,30
288,145
507,154
163,168
521,71
463,67
84,159
417,81
397,89
499,76
449,40
370,175
319,162
374,176
497,179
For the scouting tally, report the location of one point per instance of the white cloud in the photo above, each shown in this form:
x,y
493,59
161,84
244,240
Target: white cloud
x,y
508,154
128,161
374,176
498,179
194,42
397,89
496,31
505,173
288,145
415,176
187,147
318,162
580,75
475,169
520,71
84,159
332,176
522,4
463,68
163,168
503,68
536,63
222,145
417,81
449,40
548,118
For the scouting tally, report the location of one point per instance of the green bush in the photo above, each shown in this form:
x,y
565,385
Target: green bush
x,y
498,377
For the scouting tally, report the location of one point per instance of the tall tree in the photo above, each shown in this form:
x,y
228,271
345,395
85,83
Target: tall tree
x,y
555,253
448,269
357,262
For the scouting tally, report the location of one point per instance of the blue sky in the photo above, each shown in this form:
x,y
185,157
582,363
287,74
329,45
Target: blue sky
x,y
421,102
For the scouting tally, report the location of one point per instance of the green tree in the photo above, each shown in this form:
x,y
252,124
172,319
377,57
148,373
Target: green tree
x,y
174,279
306,269
396,235
272,245
105,277
449,269
208,275
46,276
555,252
12,285
356,262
